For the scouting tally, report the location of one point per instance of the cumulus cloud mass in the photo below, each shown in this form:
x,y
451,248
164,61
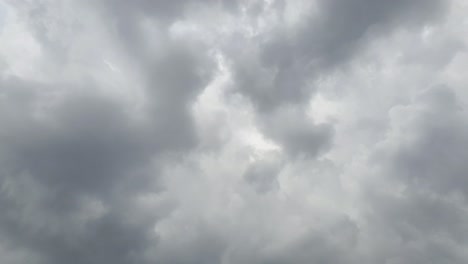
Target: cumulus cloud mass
x,y
228,132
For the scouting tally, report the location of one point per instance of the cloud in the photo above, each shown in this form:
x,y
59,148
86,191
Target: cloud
x,y
432,130
277,67
233,132
263,173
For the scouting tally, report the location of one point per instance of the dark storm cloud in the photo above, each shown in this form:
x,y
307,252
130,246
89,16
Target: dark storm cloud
x,y
87,149
71,181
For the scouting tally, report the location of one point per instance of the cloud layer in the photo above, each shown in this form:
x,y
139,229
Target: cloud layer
x,y
233,131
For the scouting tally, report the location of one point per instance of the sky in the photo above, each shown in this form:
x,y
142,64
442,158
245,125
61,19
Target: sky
x,y
227,132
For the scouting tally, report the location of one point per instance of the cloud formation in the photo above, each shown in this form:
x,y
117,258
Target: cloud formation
x,y
233,131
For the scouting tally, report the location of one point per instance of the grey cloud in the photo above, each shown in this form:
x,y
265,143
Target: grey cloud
x,y
89,138
174,72
296,132
199,243
86,150
414,226
263,173
329,245
344,25
85,178
280,68
434,156
418,194
289,59
74,171
163,10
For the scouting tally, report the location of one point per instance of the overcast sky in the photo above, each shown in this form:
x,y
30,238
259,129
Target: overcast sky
x,y
233,132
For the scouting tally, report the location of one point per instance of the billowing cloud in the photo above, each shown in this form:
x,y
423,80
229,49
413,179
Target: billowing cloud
x,y
233,131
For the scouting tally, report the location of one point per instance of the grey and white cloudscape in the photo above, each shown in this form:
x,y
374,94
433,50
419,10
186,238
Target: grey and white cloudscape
x,y
229,132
